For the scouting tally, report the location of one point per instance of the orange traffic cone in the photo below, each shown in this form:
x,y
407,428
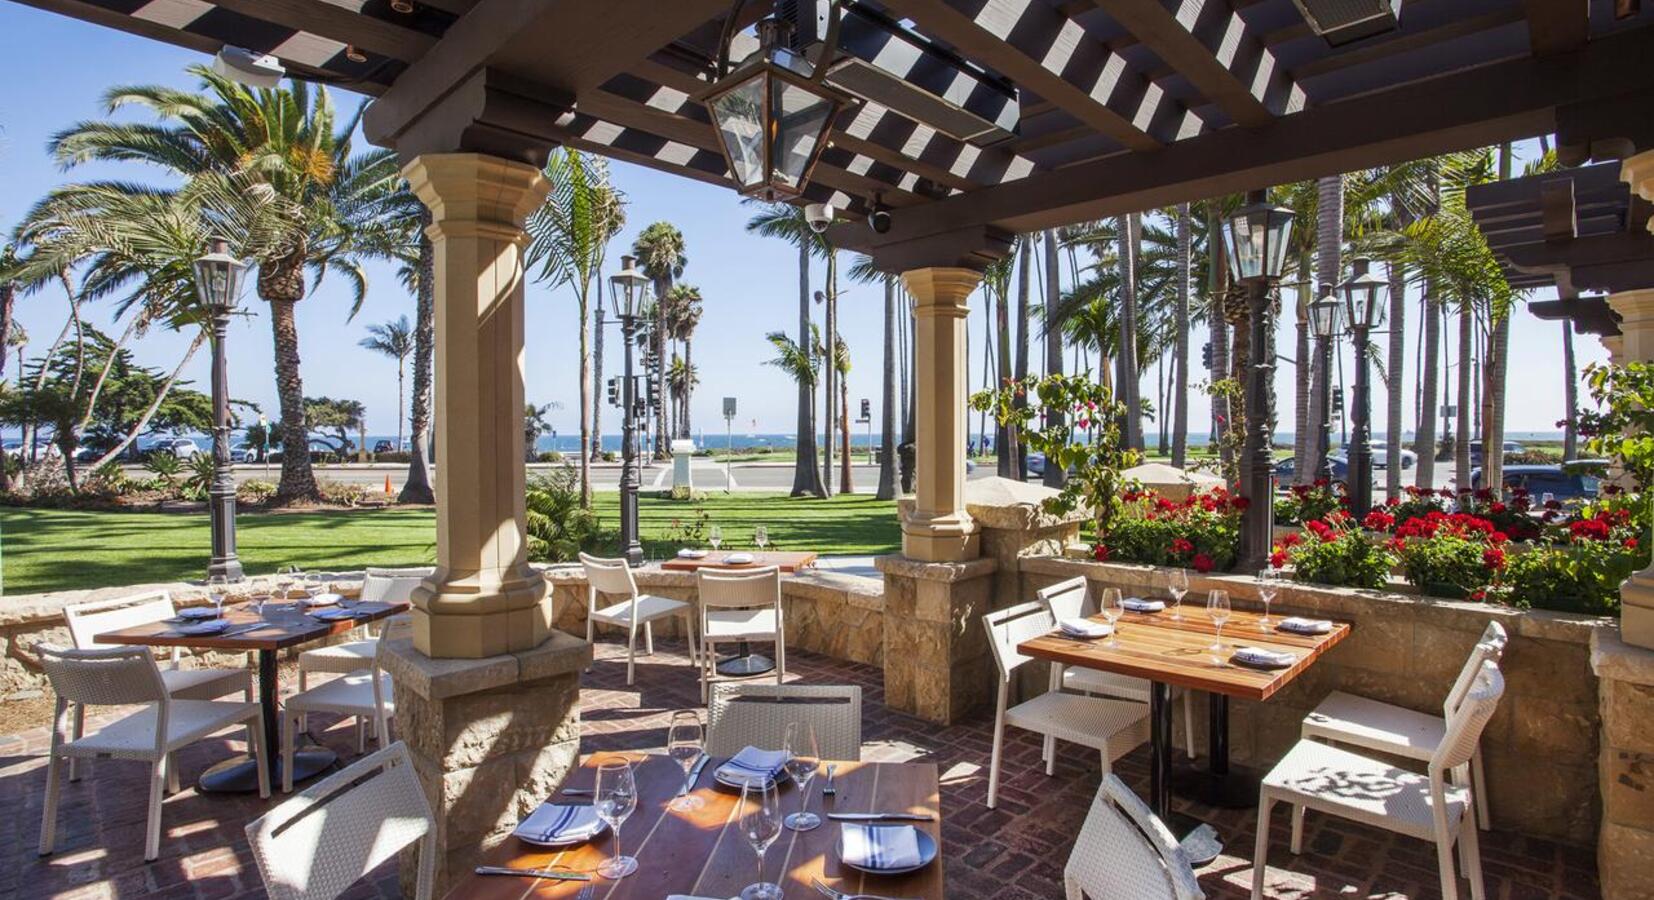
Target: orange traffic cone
x,y
387,484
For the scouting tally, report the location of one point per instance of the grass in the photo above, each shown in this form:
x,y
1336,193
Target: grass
x,y
53,550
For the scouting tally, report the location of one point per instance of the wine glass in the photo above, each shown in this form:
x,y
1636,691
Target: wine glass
x,y
315,585
1217,606
1179,587
761,825
803,758
259,596
218,588
715,537
616,797
1113,608
1268,586
761,536
683,743
285,576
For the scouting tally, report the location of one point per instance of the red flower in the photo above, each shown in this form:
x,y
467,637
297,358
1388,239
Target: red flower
x,y
1552,504
1630,543
1202,563
1241,502
1498,537
1477,596
1180,546
1393,501
1277,559
1292,539
1588,530
1378,520
1099,553
1494,558
1497,507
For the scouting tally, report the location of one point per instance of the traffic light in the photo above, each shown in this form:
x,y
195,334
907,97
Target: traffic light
x,y
866,409
1338,403
1206,355
613,388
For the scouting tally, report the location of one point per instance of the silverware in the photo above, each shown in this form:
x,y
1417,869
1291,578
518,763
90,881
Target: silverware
x,y
579,792
533,873
836,894
243,629
694,774
882,817
828,790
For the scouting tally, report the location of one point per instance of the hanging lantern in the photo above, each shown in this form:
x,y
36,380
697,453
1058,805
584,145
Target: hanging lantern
x,y
1257,238
1364,295
628,290
218,278
772,118
1323,316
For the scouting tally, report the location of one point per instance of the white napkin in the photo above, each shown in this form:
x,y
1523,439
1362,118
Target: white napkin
x,y
1138,604
1258,656
879,846
321,600
687,553
1300,625
559,822
1085,628
753,764
738,559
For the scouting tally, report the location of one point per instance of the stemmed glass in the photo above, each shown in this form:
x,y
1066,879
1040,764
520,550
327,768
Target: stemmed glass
x,y
1179,587
683,743
616,797
285,576
803,758
715,537
315,585
218,587
1217,606
1268,586
761,536
1113,608
259,595
761,825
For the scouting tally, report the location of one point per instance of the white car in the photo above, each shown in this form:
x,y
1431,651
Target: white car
x,y
243,453
1381,458
183,448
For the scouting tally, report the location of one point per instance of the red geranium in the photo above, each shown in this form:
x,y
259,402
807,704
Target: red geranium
x,y
1630,543
1378,520
1589,530
1202,563
1181,546
1494,558
1277,559
1099,553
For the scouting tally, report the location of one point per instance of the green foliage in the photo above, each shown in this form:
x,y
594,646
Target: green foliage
x,y
1447,565
166,468
1306,503
341,417
339,493
691,531
255,492
1233,439
558,528
1622,428
1202,533
198,475
1341,555
1582,577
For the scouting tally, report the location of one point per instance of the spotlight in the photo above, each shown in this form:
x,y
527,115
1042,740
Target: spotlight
x,y
355,55
879,218
402,6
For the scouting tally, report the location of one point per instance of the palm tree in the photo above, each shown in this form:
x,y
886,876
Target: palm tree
x,y
1180,377
1126,361
841,367
660,253
418,274
8,297
1054,475
535,424
681,379
802,366
294,160
393,339
1019,466
780,220
683,315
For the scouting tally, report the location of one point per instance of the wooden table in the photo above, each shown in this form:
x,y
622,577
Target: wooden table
x,y
787,562
284,625
1168,652
702,852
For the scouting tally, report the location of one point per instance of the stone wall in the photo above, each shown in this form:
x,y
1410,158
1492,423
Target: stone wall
x,y
1625,851
1541,748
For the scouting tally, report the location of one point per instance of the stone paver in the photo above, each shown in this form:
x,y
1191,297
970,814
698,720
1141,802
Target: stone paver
x,y
1014,852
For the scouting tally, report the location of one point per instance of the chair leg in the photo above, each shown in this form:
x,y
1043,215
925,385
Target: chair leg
x,y
48,815
1297,828
1444,859
1478,790
591,633
631,655
648,639
1189,721
1260,848
383,730
361,736
993,760
80,731
289,723
256,748
304,678
1470,849
702,669
172,774
152,833
780,658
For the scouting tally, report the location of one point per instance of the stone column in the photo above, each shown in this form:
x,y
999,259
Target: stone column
x,y
937,665
1636,344
1625,847
483,599
938,529
1615,345
1638,171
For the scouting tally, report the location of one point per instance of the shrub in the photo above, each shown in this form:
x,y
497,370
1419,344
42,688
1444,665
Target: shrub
x,y
610,456
108,480
339,493
198,475
549,456
393,456
1418,503
255,492
166,469
1307,503
1201,533
1581,577
1336,553
1453,555
558,527
683,493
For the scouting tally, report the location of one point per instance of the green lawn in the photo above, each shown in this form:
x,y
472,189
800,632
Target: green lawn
x,y
47,550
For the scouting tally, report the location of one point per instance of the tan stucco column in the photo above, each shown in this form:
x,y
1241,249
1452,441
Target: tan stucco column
x,y
483,599
1638,171
937,528
1636,344
1615,345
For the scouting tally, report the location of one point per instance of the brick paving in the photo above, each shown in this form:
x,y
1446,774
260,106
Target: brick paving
x,y
1015,852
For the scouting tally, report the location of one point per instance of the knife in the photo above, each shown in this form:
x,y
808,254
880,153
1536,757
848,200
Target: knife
x,y
533,873
882,817
694,774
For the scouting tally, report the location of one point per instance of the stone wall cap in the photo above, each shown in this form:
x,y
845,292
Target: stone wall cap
x,y
1006,503
31,609
1612,658
439,679
935,571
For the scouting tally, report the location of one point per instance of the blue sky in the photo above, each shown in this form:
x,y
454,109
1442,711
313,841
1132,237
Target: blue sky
x,y
56,69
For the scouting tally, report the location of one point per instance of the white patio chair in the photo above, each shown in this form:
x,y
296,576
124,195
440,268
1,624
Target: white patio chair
x,y
741,715
379,585
124,676
322,840
1329,779
1071,600
613,577
363,694
740,605
1375,725
1111,727
1123,851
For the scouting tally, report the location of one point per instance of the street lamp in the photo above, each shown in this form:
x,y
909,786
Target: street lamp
x,y
1364,296
1323,324
628,294
1256,239
218,279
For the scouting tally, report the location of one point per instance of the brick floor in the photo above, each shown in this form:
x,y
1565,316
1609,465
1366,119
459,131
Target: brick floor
x,y
1014,852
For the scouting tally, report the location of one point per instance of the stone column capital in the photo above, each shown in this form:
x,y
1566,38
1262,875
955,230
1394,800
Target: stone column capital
x,y
1638,171
1615,345
941,290
1636,338
473,195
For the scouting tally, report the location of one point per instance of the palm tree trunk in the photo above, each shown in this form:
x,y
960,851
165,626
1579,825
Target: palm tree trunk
x,y
1180,324
1003,447
401,395
1493,405
1125,362
1395,385
1461,449
688,391
662,444
585,352
595,441
108,365
887,397
1025,265
1217,285
417,487
1307,378
155,404
844,485
829,373
8,301
1054,475
1424,439
281,284
806,477
1570,394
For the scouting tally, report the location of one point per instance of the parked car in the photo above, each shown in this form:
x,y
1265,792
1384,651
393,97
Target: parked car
x,y
1577,480
1476,451
243,453
384,447
1288,468
1381,459
183,448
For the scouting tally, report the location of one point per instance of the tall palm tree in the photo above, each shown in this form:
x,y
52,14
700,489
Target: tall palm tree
x,y
8,298
1025,265
660,252
418,275
683,315
393,339
534,425
1180,377
1126,361
1329,267
801,365
863,271
1054,475
681,379
781,220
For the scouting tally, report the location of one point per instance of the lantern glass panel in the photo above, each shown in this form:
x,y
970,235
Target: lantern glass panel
x,y
1245,242
739,116
1279,229
799,117
1323,317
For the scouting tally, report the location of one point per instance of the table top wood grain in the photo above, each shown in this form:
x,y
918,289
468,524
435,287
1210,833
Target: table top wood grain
x,y
1157,647
787,561
702,852
284,625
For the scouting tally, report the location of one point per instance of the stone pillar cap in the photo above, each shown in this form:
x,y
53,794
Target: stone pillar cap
x,y
1010,504
1154,475
439,679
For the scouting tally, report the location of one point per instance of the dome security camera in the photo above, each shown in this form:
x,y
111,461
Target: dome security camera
x,y
879,218
819,216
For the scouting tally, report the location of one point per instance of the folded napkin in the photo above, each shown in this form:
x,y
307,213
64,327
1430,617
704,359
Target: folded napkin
x,y
1268,659
752,765
687,553
1138,604
321,600
198,612
559,822
738,559
210,626
1300,625
1085,628
334,615
879,846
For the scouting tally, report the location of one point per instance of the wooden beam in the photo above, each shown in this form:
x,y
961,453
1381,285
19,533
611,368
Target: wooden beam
x,y
1209,43
331,20
457,7
1053,56
1557,26
1403,41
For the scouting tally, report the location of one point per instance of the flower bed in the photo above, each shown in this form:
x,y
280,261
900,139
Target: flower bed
x,y
1200,533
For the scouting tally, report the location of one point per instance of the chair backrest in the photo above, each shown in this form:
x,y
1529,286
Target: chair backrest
x,y
1067,599
739,588
102,676
1490,647
86,620
323,840
392,585
739,715
1465,724
1124,851
1011,626
608,576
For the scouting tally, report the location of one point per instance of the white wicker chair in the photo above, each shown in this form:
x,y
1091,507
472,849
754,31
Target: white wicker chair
x,y
124,676
740,715
378,585
613,577
1332,780
322,840
1375,725
363,694
1123,851
1111,727
1070,599
740,605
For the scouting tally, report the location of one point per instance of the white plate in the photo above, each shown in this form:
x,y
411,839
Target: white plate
x,y
738,559
926,846
691,554
321,600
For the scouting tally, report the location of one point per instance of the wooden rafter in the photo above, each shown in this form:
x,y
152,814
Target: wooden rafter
x,y
1557,26
333,21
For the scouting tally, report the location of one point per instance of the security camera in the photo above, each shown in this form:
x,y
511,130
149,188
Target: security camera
x,y
256,70
879,218
819,215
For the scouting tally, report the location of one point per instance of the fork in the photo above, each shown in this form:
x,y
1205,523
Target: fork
x,y
837,894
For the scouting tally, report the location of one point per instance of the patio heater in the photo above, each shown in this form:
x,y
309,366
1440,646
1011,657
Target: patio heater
x,y
628,294
1256,239
1323,324
1364,296
218,279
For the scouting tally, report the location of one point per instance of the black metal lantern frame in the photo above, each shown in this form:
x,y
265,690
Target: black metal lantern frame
x,y
1364,295
1256,239
218,278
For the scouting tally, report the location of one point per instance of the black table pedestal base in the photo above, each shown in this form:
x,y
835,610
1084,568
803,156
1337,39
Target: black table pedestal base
x,y
745,662
1234,789
239,775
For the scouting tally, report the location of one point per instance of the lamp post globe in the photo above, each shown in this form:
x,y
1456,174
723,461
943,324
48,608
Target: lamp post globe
x,y
1324,316
218,281
1364,303
628,294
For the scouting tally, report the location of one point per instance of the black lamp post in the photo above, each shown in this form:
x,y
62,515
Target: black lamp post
x,y
1256,239
1364,305
1323,324
218,277
628,293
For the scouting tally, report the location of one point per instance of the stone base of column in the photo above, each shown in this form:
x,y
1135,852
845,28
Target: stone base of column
x,y
937,664
942,539
466,618
1625,846
1637,610
490,738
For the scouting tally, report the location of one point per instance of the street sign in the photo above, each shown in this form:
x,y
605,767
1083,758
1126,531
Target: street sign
x,y
1449,410
729,407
